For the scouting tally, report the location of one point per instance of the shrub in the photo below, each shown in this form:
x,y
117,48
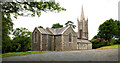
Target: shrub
x,y
99,42
113,41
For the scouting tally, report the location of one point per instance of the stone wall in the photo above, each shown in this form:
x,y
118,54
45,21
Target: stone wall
x,y
69,45
35,46
83,46
90,46
74,42
57,43
50,42
44,42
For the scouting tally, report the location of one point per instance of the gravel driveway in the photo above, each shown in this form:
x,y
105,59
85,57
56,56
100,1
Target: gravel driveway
x,y
83,55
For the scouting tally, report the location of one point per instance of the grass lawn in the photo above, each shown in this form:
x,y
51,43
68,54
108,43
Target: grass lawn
x,y
23,53
110,47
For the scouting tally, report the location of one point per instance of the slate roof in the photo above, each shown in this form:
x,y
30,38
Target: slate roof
x,y
55,31
83,41
43,31
58,31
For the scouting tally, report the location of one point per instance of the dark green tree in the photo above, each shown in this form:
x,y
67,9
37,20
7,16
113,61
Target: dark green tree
x,y
6,44
118,29
22,38
108,34
70,23
95,37
57,25
23,8
108,29
40,26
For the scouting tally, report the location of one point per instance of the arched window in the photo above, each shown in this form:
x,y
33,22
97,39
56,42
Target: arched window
x,y
70,37
80,34
35,36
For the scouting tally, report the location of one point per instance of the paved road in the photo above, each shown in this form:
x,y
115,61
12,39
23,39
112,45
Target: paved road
x,y
83,55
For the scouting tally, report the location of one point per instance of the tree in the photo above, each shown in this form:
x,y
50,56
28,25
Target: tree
x,y
23,8
40,26
70,23
95,37
108,32
118,29
22,38
57,25
6,46
108,29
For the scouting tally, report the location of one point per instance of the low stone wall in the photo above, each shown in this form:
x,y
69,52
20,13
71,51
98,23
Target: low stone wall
x,y
82,46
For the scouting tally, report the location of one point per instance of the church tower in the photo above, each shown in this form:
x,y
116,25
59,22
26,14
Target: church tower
x,y
82,27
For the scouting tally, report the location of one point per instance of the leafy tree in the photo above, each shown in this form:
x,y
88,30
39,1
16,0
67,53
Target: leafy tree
x,y
22,39
57,25
40,26
23,8
7,45
118,29
70,23
108,29
108,32
95,37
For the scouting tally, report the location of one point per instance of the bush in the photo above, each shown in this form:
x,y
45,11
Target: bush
x,y
97,43
100,42
113,41
117,42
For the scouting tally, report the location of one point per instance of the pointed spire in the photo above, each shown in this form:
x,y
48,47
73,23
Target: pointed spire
x,y
82,14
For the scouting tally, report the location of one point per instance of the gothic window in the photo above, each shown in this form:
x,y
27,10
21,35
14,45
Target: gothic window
x,y
80,34
70,37
35,36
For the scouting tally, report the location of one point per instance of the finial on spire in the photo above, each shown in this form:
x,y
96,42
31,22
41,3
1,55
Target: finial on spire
x,y
82,13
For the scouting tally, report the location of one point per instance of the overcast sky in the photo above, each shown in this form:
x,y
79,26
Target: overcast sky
x,y
97,11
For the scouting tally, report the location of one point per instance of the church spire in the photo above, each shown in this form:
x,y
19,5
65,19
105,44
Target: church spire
x,y
82,14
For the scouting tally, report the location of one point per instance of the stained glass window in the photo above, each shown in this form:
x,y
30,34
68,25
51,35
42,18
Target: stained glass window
x,y
35,36
70,37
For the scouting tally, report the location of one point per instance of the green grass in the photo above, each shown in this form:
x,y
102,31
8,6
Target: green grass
x,y
110,47
23,53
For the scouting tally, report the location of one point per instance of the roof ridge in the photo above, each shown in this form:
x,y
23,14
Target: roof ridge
x,y
61,29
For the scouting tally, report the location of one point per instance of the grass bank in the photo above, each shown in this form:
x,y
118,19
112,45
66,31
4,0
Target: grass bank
x,y
110,47
23,53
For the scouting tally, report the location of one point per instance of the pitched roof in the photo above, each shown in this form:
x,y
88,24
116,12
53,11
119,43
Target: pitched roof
x,y
57,31
43,31
54,31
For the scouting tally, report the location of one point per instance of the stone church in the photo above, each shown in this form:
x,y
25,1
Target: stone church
x,y
60,39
